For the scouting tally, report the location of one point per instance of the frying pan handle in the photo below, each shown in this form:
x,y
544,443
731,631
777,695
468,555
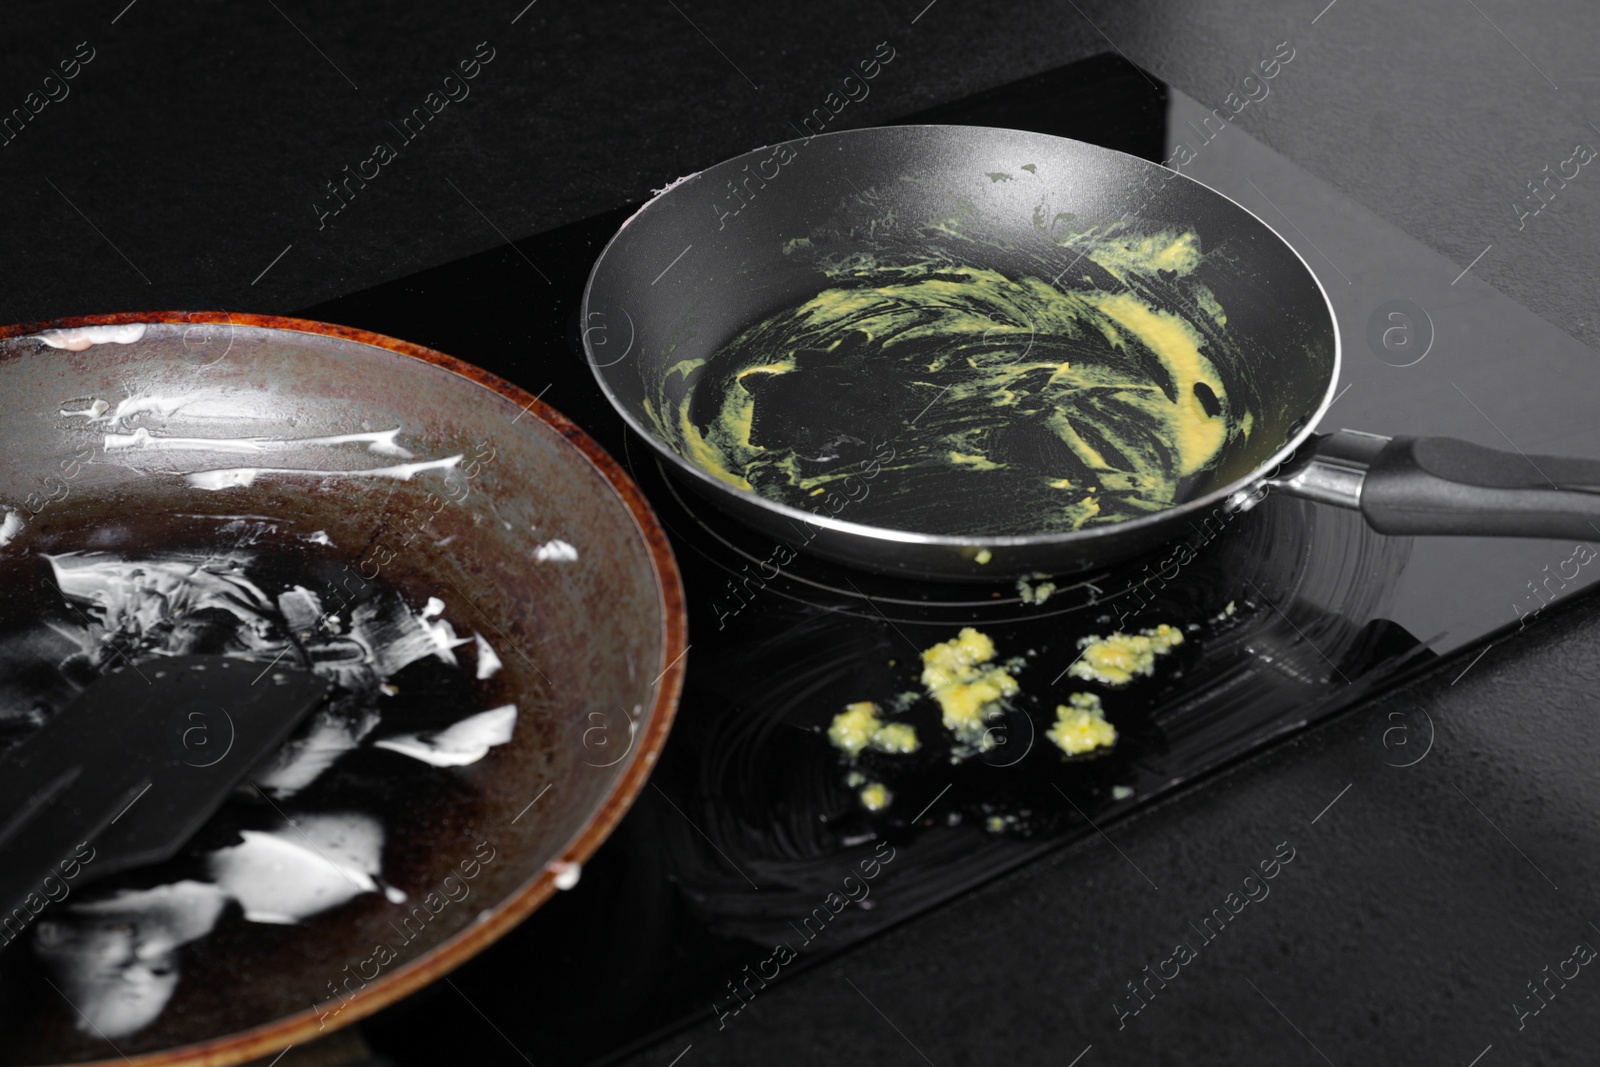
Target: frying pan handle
x,y
1438,485
1442,486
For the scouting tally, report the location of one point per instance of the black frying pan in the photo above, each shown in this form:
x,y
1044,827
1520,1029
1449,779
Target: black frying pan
x,y
963,352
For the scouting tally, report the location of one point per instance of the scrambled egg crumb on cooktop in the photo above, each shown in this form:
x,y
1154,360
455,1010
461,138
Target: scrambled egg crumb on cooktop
x,y
970,690
1034,593
858,727
1081,725
875,796
1117,658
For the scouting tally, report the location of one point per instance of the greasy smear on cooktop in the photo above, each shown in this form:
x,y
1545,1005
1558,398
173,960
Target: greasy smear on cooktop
x,y
1010,404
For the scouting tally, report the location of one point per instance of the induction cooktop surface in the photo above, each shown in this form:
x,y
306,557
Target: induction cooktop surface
x,y
752,853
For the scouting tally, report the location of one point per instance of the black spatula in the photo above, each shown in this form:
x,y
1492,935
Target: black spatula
x,y
125,774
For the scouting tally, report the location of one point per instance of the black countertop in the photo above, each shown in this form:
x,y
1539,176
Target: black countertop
x,y
185,166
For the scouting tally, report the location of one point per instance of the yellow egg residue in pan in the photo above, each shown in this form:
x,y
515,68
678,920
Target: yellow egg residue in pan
x,y
1078,403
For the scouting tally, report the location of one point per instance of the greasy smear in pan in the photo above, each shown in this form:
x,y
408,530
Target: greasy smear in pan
x,y
1012,405
398,686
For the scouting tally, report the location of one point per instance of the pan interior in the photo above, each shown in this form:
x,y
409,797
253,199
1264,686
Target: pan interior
x,y
482,584
980,333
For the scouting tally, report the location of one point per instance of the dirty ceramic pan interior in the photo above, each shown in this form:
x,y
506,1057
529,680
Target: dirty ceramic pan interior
x,y
489,592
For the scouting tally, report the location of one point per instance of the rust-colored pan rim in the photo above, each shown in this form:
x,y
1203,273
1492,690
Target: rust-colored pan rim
x,y
303,1026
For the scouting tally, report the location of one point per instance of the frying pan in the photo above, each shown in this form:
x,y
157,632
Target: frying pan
x,y
268,438
714,261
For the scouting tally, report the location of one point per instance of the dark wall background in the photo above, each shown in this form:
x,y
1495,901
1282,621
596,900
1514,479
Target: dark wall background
x,y
201,134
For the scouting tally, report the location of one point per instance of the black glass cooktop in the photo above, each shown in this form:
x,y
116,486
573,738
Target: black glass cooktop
x,y
750,855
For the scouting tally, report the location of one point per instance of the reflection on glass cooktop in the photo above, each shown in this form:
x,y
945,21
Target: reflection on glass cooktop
x,y
755,850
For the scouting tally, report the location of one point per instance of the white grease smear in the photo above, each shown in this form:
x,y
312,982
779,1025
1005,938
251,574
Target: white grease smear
x,y
673,184
301,608
662,192
11,526
134,405
467,741
300,761
231,477
228,518
398,638
81,338
488,662
321,538
289,874
136,595
556,551
141,599
392,637
567,874
377,441
116,959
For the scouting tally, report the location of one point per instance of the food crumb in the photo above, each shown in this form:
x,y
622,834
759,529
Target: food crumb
x,y
1034,594
1081,725
983,556
1011,820
858,727
1116,658
969,689
903,699
1121,792
1225,614
875,796
896,738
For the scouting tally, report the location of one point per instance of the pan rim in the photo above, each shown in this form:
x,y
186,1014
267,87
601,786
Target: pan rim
x,y
252,1043
891,535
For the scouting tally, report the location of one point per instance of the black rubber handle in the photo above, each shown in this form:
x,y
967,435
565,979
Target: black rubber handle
x,y
1438,485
